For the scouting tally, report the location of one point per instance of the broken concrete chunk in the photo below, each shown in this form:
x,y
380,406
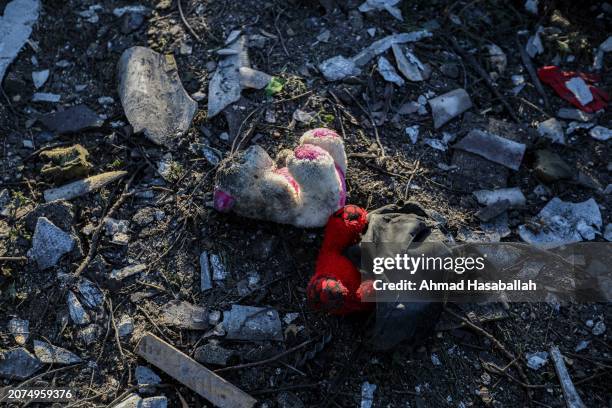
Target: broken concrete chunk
x,y
40,77
15,29
185,315
514,195
382,45
535,361
224,88
252,78
153,97
338,67
49,244
448,106
494,148
574,114
72,120
120,274
600,133
387,71
91,295
409,65
18,364
125,326
564,223
212,353
205,278
77,313
493,210
82,187
552,129
252,323
66,163
146,379
50,354
192,374
20,329
218,269
551,167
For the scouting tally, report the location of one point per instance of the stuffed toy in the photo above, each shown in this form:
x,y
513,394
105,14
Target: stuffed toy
x,y
339,288
303,188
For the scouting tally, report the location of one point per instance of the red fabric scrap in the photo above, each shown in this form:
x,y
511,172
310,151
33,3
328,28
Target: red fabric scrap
x,y
553,76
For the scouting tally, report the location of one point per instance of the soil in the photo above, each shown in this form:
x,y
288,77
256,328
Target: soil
x,y
281,257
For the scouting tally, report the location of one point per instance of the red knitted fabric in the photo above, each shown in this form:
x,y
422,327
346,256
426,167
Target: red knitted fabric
x,y
336,285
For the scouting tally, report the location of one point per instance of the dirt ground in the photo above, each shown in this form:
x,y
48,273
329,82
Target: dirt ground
x,y
453,368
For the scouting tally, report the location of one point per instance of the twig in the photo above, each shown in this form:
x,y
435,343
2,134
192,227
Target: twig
x,y
266,361
380,145
13,259
112,316
483,74
195,35
532,72
570,395
93,247
280,34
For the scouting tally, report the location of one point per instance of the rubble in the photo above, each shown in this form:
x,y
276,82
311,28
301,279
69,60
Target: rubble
x,y
46,97
218,269
338,67
212,353
252,323
40,77
574,114
413,133
77,313
118,230
146,379
252,78
448,106
49,244
127,271
513,195
91,295
18,364
15,29
551,167
553,130
535,361
125,326
493,147
190,373
132,401
185,315
608,233
409,65
600,133
72,120
90,334
153,97
20,329
389,5
599,328
205,277
497,57
225,86
82,187
50,354
603,48
564,223
387,71
367,394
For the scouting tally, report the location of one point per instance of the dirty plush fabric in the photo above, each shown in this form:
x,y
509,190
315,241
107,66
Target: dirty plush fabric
x,y
339,288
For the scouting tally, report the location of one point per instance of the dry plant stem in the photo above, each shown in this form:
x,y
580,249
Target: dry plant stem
x,y
532,72
13,259
266,361
184,20
483,74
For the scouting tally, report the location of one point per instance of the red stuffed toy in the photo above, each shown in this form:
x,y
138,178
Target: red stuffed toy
x,y
336,286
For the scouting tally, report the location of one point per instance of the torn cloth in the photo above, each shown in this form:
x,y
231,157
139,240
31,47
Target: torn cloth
x,y
557,79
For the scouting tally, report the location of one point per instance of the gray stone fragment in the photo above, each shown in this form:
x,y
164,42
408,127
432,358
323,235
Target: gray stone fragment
x,y
252,323
608,232
185,315
90,334
252,78
133,401
387,71
125,326
224,88
146,379
120,274
493,210
18,364
15,29
600,133
20,329
50,354
40,77
49,244
535,361
82,187
205,278
382,45
514,195
574,114
409,65
494,148
72,120
552,129
338,67
153,97
155,402
551,167
212,353
218,269
449,105
92,296
77,313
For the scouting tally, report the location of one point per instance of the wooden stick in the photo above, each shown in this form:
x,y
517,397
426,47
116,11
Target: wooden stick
x,y
572,399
